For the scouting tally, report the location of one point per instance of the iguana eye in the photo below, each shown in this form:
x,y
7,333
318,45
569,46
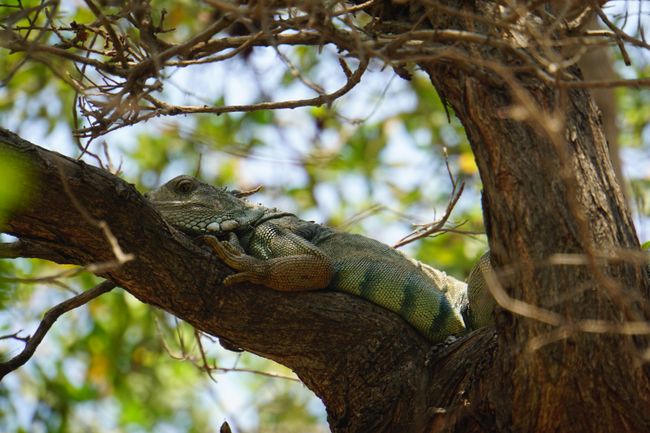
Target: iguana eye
x,y
185,186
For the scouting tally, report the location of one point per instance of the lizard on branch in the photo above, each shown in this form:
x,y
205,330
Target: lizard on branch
x,y
278,250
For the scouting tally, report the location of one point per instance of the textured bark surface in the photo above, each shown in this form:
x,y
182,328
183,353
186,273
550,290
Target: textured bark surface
x,y
578,383
544,194
598,64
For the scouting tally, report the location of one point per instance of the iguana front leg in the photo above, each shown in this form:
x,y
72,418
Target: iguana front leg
x,y
299,272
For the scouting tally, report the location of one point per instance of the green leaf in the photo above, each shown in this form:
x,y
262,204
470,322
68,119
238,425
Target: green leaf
x,y
16,184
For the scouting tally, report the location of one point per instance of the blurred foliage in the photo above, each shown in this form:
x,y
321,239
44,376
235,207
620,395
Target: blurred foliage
x,y
16,184
634,107
371,163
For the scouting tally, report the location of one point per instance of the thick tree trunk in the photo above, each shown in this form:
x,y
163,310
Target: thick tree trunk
x,y
550,189
543,198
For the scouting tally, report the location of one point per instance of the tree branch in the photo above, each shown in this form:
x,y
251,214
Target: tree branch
x,y
306,332
48,320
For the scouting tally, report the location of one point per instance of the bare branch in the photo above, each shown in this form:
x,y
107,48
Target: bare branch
x,y
48,320
15,336
202,361
425,230
132,72
160,108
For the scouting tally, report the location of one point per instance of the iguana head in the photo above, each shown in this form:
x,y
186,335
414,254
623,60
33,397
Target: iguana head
x,y
195,207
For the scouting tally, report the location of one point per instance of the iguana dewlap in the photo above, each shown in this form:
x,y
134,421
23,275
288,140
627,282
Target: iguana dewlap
x,y
280,251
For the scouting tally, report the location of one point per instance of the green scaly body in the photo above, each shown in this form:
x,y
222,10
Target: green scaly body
x,y
366,268
283,252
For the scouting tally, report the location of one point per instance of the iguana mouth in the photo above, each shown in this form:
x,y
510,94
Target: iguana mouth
x,y
197,217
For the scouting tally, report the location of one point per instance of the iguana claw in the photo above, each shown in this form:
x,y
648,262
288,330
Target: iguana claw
x,y
253,270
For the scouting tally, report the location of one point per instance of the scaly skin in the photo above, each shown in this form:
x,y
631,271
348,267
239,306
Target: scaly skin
x,y
280,251
481,303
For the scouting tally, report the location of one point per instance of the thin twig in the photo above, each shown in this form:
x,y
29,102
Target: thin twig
x,y
204,359
205,365
15,336
120,256
48,320
425,230
565,327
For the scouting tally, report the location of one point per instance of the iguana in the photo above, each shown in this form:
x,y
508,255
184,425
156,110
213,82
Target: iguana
x,y
278,250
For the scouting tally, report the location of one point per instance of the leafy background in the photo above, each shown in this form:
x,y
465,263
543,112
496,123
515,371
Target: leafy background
x,y
372,163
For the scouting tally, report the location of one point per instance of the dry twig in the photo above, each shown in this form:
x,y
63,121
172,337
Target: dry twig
x,y
31,343
118,80
429,229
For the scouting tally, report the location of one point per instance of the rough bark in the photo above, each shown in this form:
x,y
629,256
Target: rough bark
x,y
372,371
546,193
598,64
